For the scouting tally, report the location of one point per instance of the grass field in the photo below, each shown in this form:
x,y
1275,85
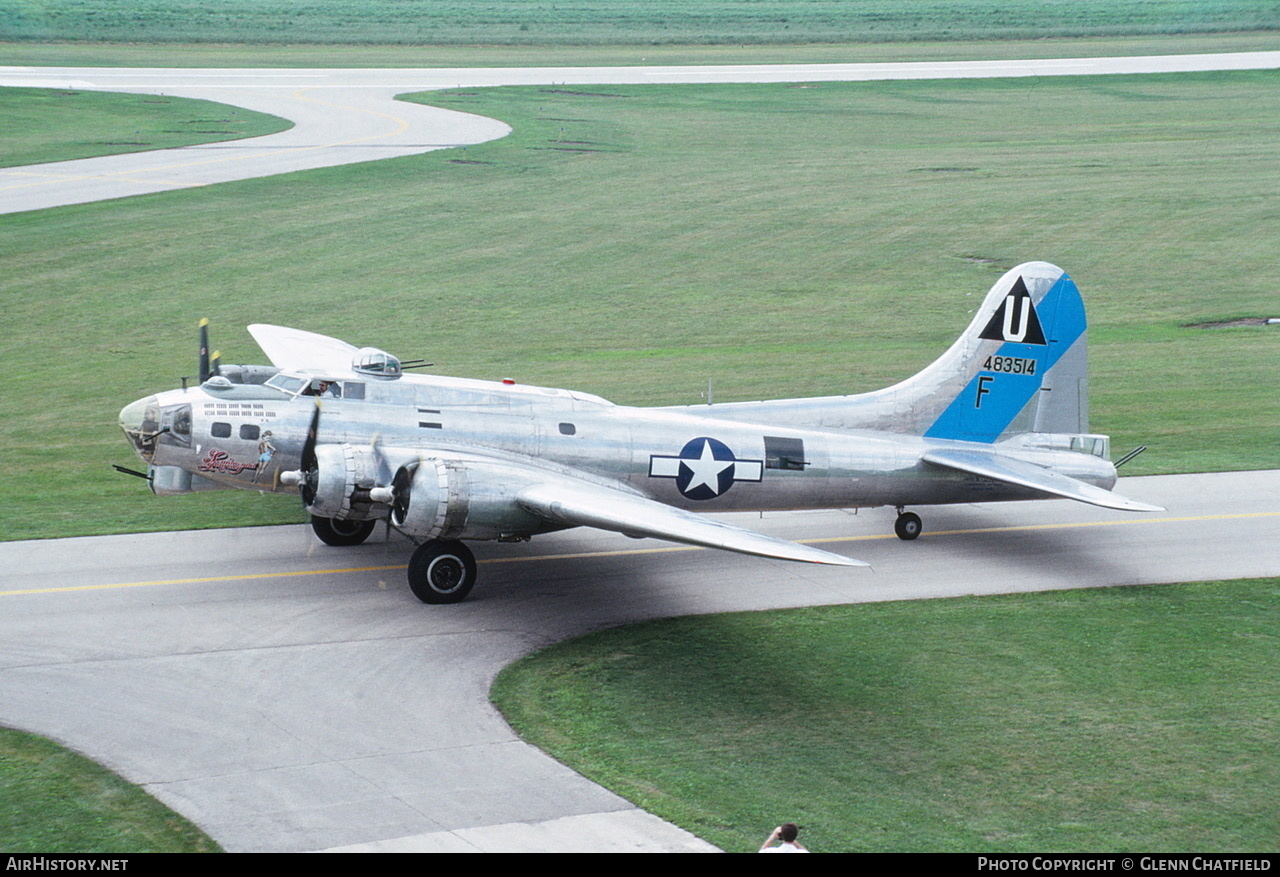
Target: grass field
x,y
62,53
1085,721
38,121
626,22
55,801
598,246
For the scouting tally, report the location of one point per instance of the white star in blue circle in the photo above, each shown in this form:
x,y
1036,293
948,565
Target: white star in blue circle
x,y
706,469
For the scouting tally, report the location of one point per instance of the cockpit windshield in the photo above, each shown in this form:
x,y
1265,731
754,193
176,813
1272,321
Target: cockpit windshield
x,y
291,384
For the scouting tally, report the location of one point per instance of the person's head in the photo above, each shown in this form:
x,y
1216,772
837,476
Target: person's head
x,y
789,832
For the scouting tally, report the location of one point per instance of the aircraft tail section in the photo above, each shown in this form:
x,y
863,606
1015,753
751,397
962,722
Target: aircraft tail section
x,y
1019,367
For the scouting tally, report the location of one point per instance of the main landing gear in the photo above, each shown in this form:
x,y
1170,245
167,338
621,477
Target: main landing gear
x,y
442,571
908,525
333,531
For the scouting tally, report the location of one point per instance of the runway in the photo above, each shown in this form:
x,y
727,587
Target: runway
x,y
344,116
290,696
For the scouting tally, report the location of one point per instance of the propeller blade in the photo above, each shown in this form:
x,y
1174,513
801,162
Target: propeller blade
x,y
384,468
309,463
204,350
401,492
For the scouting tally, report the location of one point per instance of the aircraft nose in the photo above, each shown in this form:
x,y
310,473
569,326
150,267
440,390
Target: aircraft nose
x,y
140,422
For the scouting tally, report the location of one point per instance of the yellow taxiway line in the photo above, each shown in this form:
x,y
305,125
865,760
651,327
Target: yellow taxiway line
x,y
628,552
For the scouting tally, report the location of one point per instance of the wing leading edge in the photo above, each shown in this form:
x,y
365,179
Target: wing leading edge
x,y
1023,474
605,508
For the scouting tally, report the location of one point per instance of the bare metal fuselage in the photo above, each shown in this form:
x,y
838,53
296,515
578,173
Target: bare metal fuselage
x,y
219,441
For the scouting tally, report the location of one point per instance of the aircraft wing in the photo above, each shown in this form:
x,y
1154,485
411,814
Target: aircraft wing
x,y
605,508
294,348
1023,474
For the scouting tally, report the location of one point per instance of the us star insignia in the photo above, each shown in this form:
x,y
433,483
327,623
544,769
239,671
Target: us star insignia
x,y
705,468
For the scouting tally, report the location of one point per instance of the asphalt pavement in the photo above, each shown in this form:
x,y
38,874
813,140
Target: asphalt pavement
x,y
290,696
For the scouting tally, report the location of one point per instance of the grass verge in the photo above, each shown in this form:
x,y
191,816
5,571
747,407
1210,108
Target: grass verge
x,y
55,801
107,54
1080,721
44,125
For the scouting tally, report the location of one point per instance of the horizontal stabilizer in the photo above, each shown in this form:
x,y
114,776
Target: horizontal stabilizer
x,y
1023,474
589,505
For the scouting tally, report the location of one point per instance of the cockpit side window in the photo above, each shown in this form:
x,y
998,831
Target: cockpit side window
x,y
323,387
175,424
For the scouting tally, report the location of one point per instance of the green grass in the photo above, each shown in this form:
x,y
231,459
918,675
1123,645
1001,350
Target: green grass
x,y
62,53
634,242
62,124
1082,721
55,801
628,22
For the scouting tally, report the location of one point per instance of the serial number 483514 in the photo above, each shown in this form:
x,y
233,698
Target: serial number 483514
x,y
1014,365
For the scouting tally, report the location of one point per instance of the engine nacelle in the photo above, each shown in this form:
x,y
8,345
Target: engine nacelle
x,y
341,482
463,498
421,499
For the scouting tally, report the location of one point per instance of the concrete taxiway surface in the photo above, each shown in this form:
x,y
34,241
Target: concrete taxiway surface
x,y
344,116
286,695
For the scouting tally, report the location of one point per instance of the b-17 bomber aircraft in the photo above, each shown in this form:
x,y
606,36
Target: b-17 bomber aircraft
x,y
1001,415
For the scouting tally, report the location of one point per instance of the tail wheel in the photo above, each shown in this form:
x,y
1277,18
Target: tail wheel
x,y
908,526
333,531
442,571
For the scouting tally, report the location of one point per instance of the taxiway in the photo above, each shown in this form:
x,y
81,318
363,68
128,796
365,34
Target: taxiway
x,y
289,696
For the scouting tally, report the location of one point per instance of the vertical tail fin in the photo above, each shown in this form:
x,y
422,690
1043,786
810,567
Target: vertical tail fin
x,y
1019,367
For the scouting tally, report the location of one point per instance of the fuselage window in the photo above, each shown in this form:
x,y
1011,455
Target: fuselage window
x,y
784,453
249,432
568,429
220,430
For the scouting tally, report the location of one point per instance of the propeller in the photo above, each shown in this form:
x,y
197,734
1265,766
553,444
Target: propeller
x,y
209,365
391,489
310,465
307,478
401,492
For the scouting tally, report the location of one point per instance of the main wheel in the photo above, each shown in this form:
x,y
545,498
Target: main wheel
x,y
442,571
333,531
908,526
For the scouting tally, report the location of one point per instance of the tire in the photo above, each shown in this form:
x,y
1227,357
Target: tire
x,y
332,531
908,526
442,571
